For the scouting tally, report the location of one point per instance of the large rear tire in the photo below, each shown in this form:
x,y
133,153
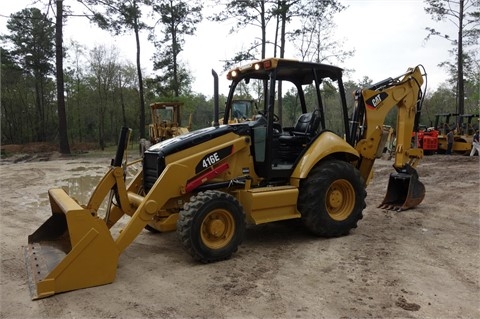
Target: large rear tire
x,y
332,199
211,226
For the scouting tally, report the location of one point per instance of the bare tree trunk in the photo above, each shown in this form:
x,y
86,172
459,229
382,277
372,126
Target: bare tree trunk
x,y
101,125
39,122
283,19
460,82
176,81
122,102
140,83
264,29
62,117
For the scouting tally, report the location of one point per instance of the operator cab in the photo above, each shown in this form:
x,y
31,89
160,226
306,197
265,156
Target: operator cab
x,y
313,102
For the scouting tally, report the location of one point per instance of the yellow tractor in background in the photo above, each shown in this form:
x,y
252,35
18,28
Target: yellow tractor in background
x,y
243,110
166,121
462,127
208,184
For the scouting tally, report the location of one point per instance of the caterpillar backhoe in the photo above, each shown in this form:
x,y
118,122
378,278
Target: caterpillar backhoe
x,y
208,184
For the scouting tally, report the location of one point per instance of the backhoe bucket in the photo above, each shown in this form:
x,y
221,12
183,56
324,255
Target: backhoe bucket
x,y
404,191
73,249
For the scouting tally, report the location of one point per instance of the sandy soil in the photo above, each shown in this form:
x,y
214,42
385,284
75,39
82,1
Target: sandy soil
x,y
420,263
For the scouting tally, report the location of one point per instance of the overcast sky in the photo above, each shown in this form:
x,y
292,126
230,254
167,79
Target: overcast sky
x,y
387,35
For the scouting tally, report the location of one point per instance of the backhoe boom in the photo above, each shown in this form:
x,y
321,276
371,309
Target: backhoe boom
x,y
376,102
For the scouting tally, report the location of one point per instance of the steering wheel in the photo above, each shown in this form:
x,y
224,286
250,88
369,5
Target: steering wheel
x,y
275,116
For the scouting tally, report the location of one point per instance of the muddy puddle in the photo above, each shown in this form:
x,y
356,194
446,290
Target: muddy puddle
x,y
82,183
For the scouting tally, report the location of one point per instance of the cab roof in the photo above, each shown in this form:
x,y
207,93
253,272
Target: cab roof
x,y
298,72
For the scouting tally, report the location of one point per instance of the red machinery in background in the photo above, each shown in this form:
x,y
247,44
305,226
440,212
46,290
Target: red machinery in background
x,y
428,139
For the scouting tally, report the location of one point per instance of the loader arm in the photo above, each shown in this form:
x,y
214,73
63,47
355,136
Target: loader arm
x,y
75,247
161,192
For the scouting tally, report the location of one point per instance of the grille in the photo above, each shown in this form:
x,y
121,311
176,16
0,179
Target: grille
x,y
153,165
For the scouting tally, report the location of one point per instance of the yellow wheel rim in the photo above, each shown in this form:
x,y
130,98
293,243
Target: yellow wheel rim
x,y
217,229
340,199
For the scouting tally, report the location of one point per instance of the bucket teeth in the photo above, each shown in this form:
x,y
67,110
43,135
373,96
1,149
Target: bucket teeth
x,y
36,268
393,207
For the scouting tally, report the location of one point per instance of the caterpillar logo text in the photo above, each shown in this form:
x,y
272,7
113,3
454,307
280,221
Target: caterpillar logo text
x,y
376,100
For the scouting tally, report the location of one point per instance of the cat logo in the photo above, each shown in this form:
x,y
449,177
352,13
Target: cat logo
x,y
375,101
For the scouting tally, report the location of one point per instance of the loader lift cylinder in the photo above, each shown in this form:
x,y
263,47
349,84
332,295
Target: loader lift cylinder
x,y
122,145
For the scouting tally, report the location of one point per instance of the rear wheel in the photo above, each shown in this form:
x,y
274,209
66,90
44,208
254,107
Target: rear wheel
x,y
332,199
211,226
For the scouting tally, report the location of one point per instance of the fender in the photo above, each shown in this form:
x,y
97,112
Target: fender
x,y
324,145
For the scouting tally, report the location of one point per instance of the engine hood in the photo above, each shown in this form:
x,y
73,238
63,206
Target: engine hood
x,y
196,137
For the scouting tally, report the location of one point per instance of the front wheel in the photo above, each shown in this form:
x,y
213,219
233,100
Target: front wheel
x,y
211,226
332,199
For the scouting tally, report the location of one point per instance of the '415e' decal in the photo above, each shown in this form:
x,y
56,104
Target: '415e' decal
x,y
213,158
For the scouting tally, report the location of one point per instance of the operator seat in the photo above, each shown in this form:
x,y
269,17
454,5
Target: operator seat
x,y
293,143
304,130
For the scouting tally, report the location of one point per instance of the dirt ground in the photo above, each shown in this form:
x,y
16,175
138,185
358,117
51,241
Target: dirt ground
x,y
420,263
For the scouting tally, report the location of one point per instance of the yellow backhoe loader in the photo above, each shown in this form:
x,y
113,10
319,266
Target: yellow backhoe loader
x,y
208,184
166,121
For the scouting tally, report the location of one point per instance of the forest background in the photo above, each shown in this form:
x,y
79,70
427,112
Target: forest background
x,y
102,92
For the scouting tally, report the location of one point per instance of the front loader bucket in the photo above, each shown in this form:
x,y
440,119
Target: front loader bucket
x,y
73,249
404,191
